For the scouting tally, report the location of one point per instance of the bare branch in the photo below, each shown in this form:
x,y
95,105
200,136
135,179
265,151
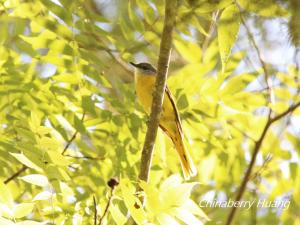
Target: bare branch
x,y
160,85
16,174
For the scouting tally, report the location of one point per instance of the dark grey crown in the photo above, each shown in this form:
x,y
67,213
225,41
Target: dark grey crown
x,y
144,66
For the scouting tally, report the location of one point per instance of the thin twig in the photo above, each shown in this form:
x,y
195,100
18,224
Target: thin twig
x,y
107,206
263,167
16,174
240,130
73,137
211,30
256,149
160,85
85,157
95,210
262,62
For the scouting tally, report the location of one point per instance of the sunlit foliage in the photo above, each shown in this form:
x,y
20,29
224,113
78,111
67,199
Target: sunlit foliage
x,y
70,121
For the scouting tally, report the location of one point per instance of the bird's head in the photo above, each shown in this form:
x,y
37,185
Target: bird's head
x,y
144,68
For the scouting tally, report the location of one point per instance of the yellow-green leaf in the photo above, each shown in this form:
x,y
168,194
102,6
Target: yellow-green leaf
x,y
36,179
228,28
23,159
132,203
5,195
190,51
267,8
117,215
22,209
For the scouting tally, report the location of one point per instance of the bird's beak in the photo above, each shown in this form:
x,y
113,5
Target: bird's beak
x,y
132,63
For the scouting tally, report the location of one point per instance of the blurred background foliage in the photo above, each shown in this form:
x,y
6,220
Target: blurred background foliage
x,y
69,119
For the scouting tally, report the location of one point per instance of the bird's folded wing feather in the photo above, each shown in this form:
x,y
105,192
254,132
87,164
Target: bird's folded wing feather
x,y
178,122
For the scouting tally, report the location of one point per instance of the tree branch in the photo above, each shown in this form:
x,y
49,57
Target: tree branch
x,y
256,149
16,174
289,110
160,85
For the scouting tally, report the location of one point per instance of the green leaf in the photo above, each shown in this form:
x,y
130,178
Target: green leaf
x,y
45,195
182,102
59,11
267,8
173,186
228,28
132,203
35,120
57,158
36,179
134,19
194,208
5,195
117,215
30,222
67,78
237,83
293,170
78,124
165,219
6,211
187,217
24,160
88,104
190,51
54,172
4,221
153,203
22,210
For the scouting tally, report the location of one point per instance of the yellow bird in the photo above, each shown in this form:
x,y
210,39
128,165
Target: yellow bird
x,y
145,77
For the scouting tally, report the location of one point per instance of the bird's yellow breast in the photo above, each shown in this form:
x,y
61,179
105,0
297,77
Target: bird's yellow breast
x,y
144,86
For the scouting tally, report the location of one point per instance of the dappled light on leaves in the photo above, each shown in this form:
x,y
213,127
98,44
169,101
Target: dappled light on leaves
x,y
72,130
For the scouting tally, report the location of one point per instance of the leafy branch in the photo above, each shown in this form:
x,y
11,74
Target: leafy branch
x,y
24,167
160,85
256,149
269,122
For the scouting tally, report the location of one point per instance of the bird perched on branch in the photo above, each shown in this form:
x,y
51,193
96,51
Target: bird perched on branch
x,y
145,77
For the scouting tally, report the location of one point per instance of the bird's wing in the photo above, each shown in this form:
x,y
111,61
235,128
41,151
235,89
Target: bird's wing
x,y
178,122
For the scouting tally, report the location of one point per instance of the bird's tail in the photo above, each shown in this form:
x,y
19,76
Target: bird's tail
x,y
187,164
